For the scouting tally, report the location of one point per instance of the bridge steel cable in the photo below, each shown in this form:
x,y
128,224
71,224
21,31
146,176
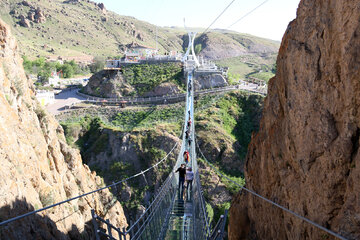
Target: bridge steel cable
x,y
219,16
272,202
91,192
247,14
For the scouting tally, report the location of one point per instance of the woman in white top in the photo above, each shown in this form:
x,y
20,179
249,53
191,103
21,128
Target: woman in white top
x,y
189,178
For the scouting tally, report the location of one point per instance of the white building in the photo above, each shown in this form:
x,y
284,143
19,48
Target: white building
x,y
45,97
54,80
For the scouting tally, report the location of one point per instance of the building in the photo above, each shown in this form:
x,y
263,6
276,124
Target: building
x,y
136,52
45,97
54,80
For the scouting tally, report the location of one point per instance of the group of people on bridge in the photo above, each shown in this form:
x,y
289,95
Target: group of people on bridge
x,y
186,175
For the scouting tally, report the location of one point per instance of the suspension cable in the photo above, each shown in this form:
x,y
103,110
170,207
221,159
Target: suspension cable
x,y
271,202
247,14
88,193
218,16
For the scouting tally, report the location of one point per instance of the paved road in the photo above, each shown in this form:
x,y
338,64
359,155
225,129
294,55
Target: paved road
x,y
63,99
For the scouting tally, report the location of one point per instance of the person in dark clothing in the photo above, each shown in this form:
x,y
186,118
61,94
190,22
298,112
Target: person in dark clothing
x,y
190,140
189,122
187,134
182,173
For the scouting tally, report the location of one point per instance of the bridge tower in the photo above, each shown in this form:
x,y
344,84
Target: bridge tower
x,y
192,36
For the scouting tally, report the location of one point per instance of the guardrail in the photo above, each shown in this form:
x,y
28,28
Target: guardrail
x,y
130,100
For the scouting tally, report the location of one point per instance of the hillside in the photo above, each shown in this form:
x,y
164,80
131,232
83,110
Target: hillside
x,y
79,28
84,28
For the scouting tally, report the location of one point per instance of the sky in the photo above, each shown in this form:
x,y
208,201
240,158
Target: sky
x,y
269,21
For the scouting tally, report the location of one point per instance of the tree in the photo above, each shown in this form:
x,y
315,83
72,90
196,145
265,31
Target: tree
x,y
67,70
44,76
274,68
97,65
198,48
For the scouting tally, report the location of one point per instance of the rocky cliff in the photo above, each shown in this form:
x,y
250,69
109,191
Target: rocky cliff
x,y
305,156
38,168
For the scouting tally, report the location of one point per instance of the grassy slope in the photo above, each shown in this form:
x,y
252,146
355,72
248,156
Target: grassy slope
x,y
249,66
82,32
93,36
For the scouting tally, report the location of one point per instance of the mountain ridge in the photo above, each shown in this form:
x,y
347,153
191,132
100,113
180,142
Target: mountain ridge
x,y
82,27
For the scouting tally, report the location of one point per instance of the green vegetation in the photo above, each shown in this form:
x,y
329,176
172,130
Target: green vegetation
x,y
210,212
222,121
233,185
98,64
145,77
198,48
262,75
46,199
128,120
238,113
44,69
244,67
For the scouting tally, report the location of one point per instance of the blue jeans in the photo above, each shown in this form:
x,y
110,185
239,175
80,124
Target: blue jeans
x,y
189,185
181,184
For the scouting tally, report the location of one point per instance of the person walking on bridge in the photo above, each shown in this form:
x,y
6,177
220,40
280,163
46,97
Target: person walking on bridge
x,y
189,122
189,179
182,172
186,156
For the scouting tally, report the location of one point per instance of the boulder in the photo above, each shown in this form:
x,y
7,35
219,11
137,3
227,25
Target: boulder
x,y
26,3
102,7
24,21
39,16
31,16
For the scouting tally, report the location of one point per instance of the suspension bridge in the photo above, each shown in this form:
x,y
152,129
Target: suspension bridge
x,y
170,215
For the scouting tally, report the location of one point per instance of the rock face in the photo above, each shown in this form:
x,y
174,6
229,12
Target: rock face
x,y
205,81
108,84
38,168
166,88
305,156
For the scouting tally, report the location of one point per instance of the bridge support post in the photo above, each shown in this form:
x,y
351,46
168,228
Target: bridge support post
x,y
109,228
96,227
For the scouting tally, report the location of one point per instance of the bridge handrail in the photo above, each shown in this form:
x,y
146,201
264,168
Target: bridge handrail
x,y
165,185
272,202
88,193
180,95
